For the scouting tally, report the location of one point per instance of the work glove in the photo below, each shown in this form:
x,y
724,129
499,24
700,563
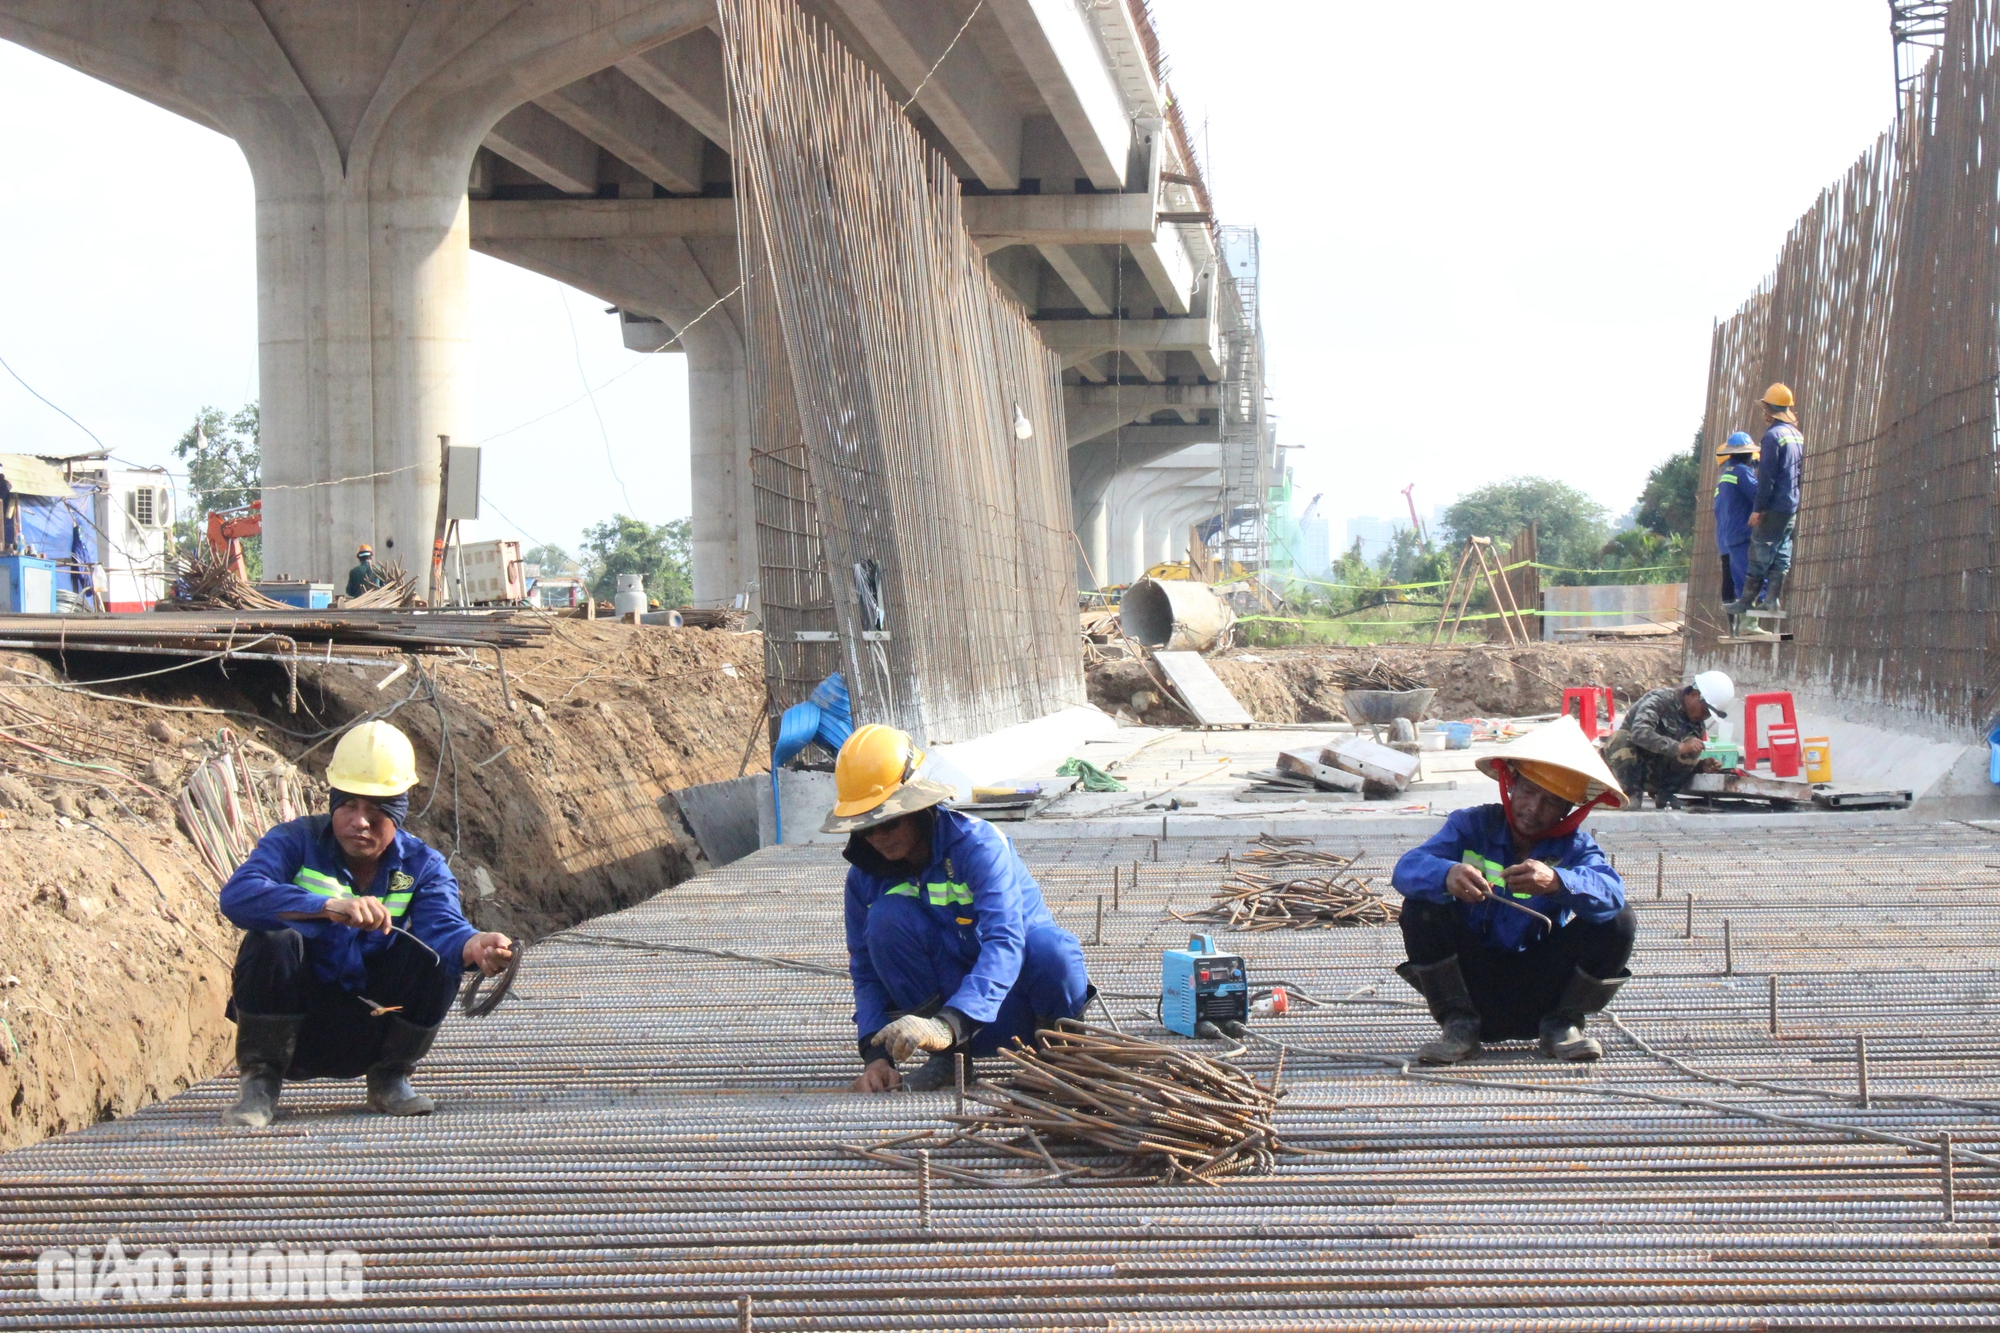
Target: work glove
x,y
911,1033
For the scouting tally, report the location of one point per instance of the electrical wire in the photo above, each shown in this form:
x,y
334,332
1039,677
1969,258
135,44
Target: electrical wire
x,y
66,416
576,344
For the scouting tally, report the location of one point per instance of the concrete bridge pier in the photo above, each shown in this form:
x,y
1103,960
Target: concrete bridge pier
x,y
359,119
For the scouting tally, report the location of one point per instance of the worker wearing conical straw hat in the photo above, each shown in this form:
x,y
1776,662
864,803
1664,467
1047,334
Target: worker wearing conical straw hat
x,y
1515,923
950,946
354,943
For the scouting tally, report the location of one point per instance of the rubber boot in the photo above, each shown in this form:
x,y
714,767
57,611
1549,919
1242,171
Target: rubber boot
x,y
1562,1029
1443,987
389,1089
1746,596
264,1047
940,1071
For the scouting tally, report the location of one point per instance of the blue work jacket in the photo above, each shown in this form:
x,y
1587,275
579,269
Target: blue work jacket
x,y
298,865
1591,888
976,883
1778,470
1735,495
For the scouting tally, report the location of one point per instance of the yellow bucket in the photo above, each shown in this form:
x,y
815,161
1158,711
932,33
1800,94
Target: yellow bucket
x,y
1819,758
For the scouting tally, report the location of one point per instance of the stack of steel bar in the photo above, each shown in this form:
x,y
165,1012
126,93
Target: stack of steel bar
x,y
640,1139
1251,901
285,632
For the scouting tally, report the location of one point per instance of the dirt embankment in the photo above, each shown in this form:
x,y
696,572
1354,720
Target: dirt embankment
x,y
112,987
1304,684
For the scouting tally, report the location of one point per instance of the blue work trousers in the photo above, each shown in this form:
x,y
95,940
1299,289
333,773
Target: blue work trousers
x,y
1770,548
921,964
1735,564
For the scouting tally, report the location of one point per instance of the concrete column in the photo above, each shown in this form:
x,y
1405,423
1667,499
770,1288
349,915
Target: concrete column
x,y
359,119
1095,532
676,280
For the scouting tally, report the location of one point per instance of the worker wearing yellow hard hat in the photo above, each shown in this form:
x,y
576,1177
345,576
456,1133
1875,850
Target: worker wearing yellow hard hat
x,y
950,947
1515,923
354,940
1773,516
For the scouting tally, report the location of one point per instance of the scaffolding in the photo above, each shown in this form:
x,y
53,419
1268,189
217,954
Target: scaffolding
x,y
1247,466
1917,28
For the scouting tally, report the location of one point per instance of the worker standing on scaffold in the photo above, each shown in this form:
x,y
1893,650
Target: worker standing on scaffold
x,y
355,941
949,943
1515,923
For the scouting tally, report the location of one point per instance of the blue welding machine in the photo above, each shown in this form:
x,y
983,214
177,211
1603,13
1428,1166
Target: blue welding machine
x,y
1199,985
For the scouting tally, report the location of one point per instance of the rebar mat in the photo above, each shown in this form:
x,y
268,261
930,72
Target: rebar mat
x,y
638,1139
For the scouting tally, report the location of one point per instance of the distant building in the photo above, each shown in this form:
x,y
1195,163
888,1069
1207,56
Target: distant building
x,y
1374,534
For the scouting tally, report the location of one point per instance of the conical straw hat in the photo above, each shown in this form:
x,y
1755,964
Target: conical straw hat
x,y
1562,747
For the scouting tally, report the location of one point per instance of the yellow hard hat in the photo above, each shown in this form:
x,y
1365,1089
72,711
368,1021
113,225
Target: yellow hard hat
x,y
374,759
1778,395
874,762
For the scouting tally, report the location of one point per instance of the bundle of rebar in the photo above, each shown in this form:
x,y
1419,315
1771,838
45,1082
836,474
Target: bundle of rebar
x,y
1268,850
398,588
1253,902
227,804
1167,1111
207,582
1377,675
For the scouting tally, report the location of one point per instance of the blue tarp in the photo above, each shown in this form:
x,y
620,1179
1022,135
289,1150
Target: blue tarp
x,y
62,529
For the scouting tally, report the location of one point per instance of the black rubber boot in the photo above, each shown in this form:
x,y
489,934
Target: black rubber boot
x,y
940,1071
264,1046
1746,598
1443,987
389,1089
1562,1029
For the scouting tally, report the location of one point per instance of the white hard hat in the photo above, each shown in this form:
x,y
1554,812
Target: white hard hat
x,y
1716,689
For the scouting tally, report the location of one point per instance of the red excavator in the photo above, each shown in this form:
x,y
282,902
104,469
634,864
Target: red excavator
x,y
228,527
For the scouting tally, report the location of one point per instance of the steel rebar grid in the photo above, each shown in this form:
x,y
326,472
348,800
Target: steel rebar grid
x,y
639,1139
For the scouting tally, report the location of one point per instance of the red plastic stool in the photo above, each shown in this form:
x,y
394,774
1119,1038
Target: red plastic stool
x,y
1776,739
1586,697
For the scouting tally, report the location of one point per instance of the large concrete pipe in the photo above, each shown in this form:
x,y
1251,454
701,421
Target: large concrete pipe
x,y
1175,613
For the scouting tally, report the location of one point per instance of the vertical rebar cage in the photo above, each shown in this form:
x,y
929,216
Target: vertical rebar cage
x,y
930,521
1881,316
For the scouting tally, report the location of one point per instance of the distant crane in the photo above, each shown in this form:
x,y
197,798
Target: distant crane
x,y
1917,29
1415,525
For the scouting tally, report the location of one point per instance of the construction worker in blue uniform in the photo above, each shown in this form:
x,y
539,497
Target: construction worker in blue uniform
x,y
1735,497
354,944
949,944
1488,970
1776,510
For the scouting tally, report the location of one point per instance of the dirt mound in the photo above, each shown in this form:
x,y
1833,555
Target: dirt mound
x,y
1486,680
111,989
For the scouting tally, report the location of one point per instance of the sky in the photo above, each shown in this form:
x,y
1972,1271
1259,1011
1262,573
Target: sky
x,y
128,298
1499,254
1503,253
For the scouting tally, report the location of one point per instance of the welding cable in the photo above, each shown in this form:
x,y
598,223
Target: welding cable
x,y
1793,1090
474,1005
1616,1091
647,946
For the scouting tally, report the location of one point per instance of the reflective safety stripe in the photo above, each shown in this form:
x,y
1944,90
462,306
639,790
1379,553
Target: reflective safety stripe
x,y
948,894
326,886
1495,873
399,903
903,891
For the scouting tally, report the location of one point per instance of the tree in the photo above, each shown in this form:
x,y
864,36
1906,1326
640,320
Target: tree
x,y
659,553
550,560
1657,558
225,468
1666,505
1569,524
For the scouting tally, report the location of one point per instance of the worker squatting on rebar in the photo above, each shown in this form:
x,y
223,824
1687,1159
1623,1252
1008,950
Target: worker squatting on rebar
x,y
949,943
1659,741
355,944
1490,966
